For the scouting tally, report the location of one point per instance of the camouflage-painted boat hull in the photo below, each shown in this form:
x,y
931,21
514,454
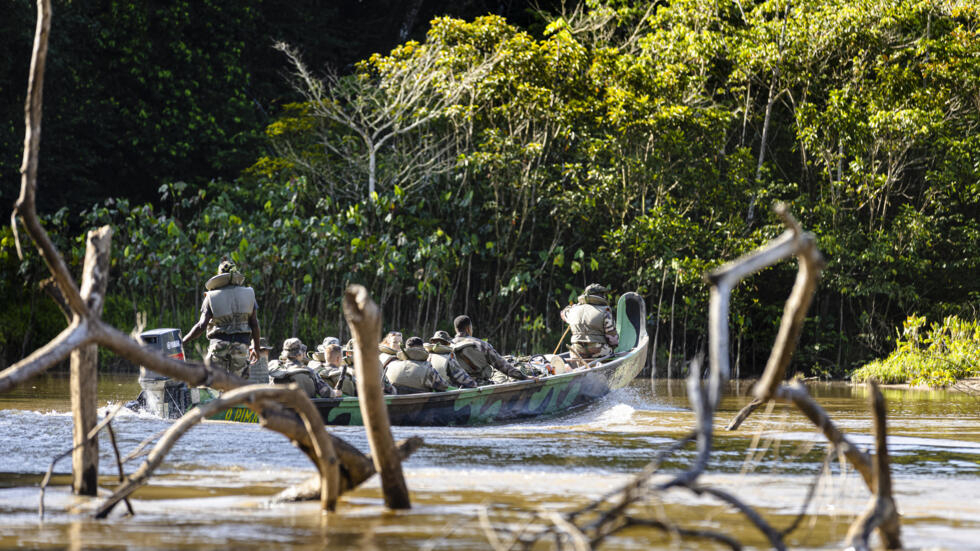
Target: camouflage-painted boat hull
x,y
508,401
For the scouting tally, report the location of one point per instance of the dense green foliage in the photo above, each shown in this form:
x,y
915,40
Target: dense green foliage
x,y
630,143
945,353
140,93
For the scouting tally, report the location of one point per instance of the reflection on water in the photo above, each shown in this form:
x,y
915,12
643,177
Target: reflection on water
x,y
213,489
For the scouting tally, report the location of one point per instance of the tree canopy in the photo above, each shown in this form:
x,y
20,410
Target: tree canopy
x,y
633,143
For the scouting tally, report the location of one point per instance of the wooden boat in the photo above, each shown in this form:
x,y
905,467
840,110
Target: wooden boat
x,y
507,401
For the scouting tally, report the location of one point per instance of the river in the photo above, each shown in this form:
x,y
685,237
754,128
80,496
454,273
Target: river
x,y
213,490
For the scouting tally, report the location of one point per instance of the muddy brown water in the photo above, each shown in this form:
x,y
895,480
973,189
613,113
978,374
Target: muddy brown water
x,y
213,490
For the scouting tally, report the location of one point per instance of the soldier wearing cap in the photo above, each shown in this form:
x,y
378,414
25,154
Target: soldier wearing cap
x,y
319,356
291,368
591,322
412,373
348,355
229,312
441,357
334,372
258,371
479,359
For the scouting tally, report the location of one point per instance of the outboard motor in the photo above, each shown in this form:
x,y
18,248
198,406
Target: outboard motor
x,y
161,395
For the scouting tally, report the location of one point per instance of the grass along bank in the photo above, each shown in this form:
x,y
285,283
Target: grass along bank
x,y
937,356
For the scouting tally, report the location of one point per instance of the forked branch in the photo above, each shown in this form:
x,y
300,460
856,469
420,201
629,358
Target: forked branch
x,y
324,456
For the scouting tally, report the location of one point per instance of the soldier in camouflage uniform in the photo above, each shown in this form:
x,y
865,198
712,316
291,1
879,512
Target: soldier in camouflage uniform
x,y
348,354
479,359
291,369
229,312
412,373
593,328
335,373
440,349
388,349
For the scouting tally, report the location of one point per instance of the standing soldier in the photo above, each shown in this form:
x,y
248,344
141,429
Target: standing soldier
x,y
412,373
441,357
591,322
229,312
479,359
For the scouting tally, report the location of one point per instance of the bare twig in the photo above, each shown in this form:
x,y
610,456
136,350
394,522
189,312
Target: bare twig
x,y
775,538
92,434
122,474
811,490
25,206
731,542
796,394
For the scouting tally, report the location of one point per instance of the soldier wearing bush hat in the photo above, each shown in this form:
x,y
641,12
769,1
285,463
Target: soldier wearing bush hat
x,y
591,322
291,368
230,315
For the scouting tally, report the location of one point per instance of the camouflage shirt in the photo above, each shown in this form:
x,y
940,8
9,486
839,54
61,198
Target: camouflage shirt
x,y
442,360
481,361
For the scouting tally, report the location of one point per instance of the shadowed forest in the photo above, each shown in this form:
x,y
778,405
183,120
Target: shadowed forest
x,y
492,159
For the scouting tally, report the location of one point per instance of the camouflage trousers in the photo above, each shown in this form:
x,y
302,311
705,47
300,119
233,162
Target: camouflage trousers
x,y
230,356
586,351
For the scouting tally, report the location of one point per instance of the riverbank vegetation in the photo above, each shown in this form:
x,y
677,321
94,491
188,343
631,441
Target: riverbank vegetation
x,y
937,355
632,143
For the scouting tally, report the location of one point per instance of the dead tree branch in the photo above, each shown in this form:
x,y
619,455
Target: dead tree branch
x,y
75,335
793,242
612,512
881,512
796,394
25,205
86,327
364,319
252,395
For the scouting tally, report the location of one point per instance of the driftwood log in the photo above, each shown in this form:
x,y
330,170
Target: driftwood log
x,y
364,319
86,329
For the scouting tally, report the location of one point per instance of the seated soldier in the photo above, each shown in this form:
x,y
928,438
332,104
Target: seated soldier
x,y
412,373
335,373
591,323
291,369
348,355
388,348
479,359
441,357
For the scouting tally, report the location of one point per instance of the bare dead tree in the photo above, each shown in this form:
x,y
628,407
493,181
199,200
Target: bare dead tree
x,y
590,525
382,112
86,327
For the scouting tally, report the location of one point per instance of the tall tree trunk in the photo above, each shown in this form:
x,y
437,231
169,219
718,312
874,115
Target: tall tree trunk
x,y
670,352
84,369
